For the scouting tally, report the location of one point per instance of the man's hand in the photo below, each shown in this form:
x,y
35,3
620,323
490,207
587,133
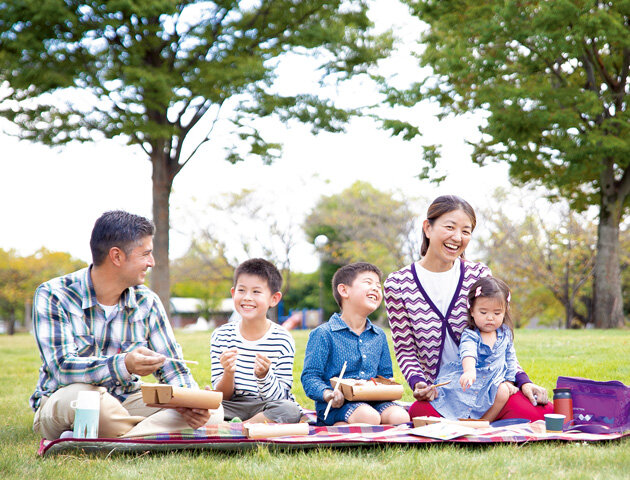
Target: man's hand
x,y
261,365
195,417
143,361
228,360
537,395
424,392
336,396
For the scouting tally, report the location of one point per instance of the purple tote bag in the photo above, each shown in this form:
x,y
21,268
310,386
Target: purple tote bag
x,y
598,404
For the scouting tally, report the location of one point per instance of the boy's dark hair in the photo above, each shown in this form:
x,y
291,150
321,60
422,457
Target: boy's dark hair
x,y
346,275
263,269
490,287
118,229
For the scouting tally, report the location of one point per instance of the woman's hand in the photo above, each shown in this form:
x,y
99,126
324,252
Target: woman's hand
x,y
537,395
423,392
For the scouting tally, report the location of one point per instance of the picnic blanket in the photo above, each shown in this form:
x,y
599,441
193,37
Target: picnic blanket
x,y
231,436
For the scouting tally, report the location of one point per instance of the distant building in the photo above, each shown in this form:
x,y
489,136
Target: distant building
x,y
191,313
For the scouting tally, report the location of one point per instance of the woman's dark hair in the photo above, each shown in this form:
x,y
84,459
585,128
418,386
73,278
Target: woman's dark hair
x,y
490,287
118,229
442,205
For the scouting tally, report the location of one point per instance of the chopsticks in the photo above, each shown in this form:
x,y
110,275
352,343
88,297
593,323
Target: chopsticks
x,y
343,370
182,360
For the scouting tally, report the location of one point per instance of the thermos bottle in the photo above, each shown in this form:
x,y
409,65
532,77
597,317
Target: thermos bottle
x,y
563,403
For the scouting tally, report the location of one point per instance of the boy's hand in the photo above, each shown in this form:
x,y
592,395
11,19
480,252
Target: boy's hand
x,y
228,360
261,365
467,379
336,396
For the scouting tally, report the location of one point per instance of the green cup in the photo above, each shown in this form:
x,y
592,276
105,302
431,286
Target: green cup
x,y
554,422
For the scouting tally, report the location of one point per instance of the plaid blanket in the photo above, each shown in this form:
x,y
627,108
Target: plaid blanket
x,y
231,436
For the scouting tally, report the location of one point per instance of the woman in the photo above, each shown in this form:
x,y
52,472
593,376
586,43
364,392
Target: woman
x,y
426,307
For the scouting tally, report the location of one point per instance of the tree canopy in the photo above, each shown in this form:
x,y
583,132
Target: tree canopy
x,y
20,276
547,260
362,223
552,81
163,73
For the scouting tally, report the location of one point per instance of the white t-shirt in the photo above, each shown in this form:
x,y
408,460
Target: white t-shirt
x,y
440,287
110,310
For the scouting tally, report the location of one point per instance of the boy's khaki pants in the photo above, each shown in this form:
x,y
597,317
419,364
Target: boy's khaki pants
x,y
132,418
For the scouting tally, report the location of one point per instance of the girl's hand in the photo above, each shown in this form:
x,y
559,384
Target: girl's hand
x,y
467,379
336,396
228,360
261,365
424,392
511,388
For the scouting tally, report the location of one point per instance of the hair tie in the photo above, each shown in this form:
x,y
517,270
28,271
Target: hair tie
x,y
509,297
478,291
467,304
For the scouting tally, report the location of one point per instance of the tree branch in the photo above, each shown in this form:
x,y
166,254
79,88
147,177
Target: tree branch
x,y
206,139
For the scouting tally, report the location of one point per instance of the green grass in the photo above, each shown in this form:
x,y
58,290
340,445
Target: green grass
x,y
545,354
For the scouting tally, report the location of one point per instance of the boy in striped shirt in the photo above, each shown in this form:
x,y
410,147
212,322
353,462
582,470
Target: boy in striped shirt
x,y
252,358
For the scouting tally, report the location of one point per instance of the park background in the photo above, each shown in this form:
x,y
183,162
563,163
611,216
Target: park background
x,y
365,183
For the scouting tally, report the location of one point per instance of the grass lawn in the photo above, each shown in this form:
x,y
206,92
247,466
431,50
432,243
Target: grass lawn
x,y
545,354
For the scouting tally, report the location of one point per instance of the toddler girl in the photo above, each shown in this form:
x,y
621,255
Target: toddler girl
x,y
481,384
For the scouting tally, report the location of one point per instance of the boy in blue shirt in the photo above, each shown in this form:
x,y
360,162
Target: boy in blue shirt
x,y
350,337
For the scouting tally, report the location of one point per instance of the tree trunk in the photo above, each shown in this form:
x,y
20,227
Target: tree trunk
x,y
607,299
162,185
11,324
28,315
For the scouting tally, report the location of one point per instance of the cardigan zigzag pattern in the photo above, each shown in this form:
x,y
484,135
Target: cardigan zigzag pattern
x,y
418,327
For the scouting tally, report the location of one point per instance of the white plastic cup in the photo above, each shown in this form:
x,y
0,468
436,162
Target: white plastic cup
x,y
87,408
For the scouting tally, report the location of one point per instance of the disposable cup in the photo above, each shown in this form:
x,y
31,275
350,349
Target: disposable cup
x,y
554,422
86,415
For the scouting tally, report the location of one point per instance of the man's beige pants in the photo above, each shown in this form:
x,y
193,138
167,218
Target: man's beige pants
x,y
132,418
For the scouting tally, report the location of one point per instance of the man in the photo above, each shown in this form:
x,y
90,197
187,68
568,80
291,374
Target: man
x,y
101,329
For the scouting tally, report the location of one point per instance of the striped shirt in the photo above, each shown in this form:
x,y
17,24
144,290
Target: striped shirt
x,y
419,328
78,344
277,345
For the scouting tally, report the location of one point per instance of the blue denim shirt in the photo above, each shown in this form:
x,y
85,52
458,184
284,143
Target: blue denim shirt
x,y
493,365
333,343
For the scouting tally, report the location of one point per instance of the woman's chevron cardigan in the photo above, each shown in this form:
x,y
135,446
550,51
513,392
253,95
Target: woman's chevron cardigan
x,y
418,327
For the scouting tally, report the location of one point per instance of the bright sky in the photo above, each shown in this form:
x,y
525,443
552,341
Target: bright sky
x,y
51,197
